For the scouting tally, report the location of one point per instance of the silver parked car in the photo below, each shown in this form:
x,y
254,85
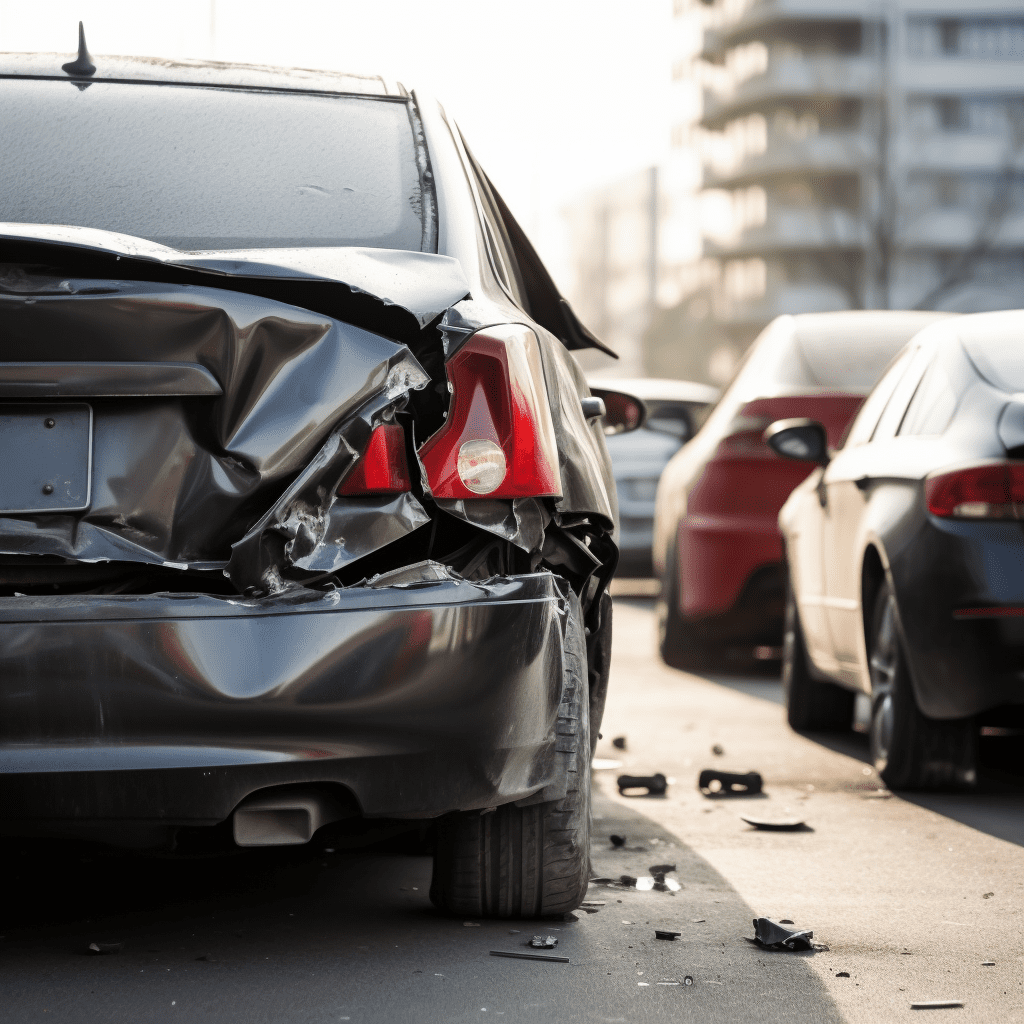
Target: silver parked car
x,y
675,411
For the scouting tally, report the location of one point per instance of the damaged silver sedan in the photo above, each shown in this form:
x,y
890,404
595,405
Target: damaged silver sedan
x,y
306,513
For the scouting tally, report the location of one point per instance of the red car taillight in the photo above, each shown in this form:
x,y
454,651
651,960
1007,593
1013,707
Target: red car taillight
x,y
499,441
991,491
382,468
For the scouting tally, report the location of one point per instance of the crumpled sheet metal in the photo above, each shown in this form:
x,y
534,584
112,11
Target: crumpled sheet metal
x,y
423,283
769,934
177,481
520,521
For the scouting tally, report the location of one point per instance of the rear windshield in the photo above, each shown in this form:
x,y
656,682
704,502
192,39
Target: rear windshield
x,y
995,343
198,168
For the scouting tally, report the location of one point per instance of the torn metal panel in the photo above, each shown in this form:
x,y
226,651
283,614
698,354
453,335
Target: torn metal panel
x,y
178,479
520,521
419,699
423,283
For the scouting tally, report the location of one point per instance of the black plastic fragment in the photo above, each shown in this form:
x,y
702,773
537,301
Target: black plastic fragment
x,y
786,825
654,784
628,880
670,936
619,743
661,869
543,942
769,934
530,956
617,841
716,783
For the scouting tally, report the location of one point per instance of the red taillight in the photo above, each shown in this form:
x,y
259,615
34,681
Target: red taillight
x,y
499,441
991,491
382,468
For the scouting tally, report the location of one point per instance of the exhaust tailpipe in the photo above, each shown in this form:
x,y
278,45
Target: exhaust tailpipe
x,y
285,816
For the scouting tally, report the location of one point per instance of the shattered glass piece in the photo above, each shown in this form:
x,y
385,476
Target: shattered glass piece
x,y
543,942
427,571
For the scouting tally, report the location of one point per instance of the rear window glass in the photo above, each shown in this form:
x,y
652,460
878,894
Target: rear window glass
x,y
932,407
995,343
198,168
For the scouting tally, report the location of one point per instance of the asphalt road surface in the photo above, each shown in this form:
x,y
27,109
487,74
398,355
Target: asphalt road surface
x,y
912,896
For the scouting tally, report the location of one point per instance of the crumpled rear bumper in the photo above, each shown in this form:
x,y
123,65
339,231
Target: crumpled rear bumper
x,y
171,709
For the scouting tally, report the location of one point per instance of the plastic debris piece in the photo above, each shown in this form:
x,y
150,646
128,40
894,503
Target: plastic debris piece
x,y
781,825
514,931
617,841
988,963
784,920
842,974
937,1004
470,924
628,880
699,920
654,784
661,869
619,743
718,749
715,783
543,942
689,981
670,936
773,935
531,956
105,948
987,895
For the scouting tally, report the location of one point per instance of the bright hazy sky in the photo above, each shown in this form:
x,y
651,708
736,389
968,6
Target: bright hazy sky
x,y
554,96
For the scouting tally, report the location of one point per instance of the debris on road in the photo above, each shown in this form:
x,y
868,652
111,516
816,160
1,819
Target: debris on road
x,y
593,903
987,895
661,869
772,935
602,881
627,880
670,936
699,920
842,974
937,1004
687,980
543,942
988,963
530,956
716,783
470,924
718,750
782,825
617,841
619,743
654,784
105,948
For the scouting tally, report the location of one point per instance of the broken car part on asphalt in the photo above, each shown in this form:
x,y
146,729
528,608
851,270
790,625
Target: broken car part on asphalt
x,y
530,956
671,936
712,782
772,935
543,942
781,825
654,784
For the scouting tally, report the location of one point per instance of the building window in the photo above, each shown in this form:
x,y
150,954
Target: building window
x,y
973,38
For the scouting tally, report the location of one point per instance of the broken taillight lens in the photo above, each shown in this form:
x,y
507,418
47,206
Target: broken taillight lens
x,y
994,490
382,468
499,441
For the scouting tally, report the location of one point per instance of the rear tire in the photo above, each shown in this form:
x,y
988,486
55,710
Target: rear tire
x,y
677,644
531,861
811,706
910,750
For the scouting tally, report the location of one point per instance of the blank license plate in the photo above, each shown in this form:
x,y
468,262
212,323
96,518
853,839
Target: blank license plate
x,y
45,457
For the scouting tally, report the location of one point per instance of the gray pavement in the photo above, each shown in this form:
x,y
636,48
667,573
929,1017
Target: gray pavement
x,y
910,895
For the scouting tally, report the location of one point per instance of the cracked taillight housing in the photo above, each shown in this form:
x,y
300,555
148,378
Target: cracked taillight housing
x,y
382,468
498,440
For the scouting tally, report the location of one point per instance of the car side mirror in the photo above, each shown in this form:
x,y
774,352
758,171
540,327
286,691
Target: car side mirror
x,y
622,412
800,439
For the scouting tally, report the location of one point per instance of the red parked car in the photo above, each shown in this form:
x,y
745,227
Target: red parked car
x,y
717,547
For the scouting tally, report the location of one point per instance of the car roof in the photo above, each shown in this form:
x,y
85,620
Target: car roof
x,y
855,323
658,389
212,74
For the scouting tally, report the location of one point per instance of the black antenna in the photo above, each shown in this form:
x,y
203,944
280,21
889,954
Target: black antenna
x,y
82,64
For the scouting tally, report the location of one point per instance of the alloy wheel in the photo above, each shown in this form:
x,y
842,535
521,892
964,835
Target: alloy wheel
x,y
885,654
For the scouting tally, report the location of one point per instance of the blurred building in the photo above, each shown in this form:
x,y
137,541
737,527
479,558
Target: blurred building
x,y
853,154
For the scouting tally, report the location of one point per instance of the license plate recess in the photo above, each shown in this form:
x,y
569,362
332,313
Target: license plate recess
x,y
46,457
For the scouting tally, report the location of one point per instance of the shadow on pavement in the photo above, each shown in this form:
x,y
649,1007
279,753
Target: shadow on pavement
x,y
304,934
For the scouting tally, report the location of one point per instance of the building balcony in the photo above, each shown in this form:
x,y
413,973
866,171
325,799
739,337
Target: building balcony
x,y
944,76
961,152
748,18
793,231
792,76
827,151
